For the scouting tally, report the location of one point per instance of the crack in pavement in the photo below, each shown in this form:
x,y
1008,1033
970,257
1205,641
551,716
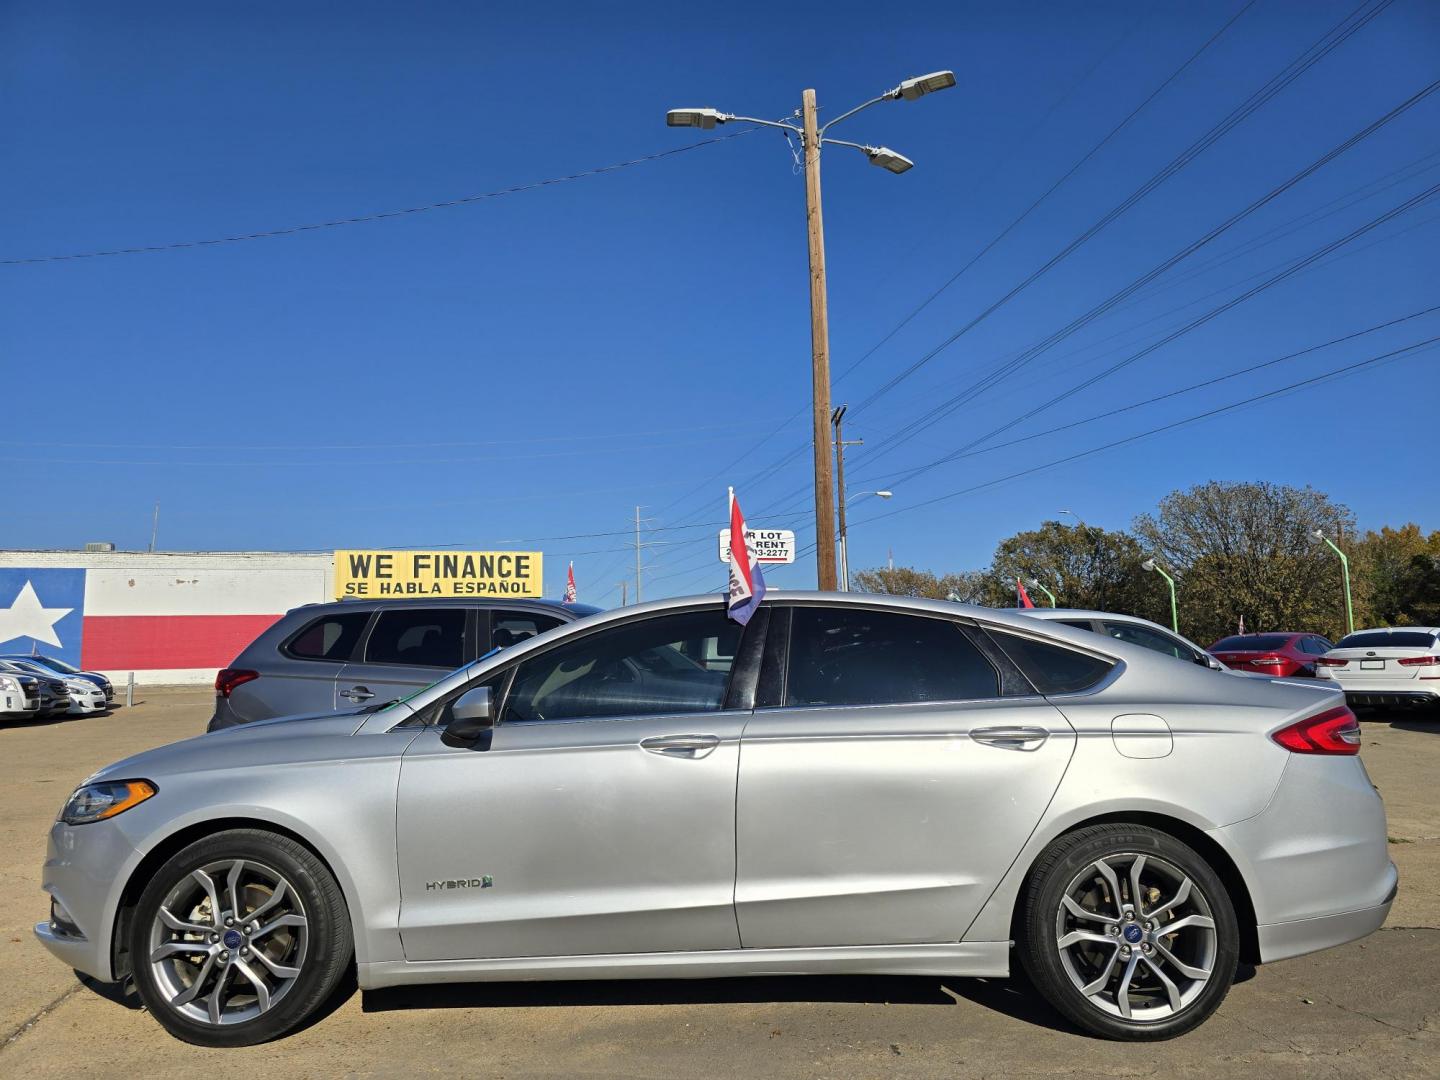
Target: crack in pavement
x,y
38,1015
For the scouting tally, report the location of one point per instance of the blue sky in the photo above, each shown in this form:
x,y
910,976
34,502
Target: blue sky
x,y
534,366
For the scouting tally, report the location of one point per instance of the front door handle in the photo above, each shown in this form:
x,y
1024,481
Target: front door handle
x,y
1011,738
686,746
357,693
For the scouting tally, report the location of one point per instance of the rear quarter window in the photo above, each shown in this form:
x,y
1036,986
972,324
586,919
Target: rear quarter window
x,y
1052,669
330,637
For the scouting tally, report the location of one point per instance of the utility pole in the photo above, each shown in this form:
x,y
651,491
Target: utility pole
x,y
836,420
155,526
819,351
637,554
812,137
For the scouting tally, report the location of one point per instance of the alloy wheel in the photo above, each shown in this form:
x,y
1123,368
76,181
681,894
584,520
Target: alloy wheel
x,y
1136,936
228,942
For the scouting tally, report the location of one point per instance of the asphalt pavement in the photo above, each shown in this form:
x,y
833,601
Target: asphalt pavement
x,y
1368,1009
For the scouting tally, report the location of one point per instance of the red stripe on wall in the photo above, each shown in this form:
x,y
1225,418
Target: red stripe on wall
x,y
145,642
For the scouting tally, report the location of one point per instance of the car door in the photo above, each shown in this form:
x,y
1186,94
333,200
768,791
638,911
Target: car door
x,y
301,676
408,647
888,779
599,816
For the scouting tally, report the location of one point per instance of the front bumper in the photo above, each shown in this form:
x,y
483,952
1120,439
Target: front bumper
x,y
85,869
83,704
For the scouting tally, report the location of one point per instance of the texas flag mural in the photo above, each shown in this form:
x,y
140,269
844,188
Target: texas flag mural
x,y
167,624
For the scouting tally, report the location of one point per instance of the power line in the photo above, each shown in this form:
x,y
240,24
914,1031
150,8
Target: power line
x,y
946,408
1327,43
383,215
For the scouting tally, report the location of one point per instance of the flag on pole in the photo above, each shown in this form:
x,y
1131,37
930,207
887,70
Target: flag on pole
x,y
747,584
570,584
1242,625
1021,596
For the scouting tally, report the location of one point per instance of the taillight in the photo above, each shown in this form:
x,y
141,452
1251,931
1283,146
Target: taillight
x,y
1266,660
1331,661
227,679
1334,731
1418,661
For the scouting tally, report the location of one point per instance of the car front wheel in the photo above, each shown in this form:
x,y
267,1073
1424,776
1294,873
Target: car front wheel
x,y
238,938
1129,933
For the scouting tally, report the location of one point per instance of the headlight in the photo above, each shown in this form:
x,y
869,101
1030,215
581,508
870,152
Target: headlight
x,y
96,802
9,684
80,686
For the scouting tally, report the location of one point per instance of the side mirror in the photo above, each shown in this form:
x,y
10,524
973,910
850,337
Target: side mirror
x,y
1213,664
471,716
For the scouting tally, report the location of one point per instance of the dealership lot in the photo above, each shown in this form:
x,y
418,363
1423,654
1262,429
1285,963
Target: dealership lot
x,y
1362,1010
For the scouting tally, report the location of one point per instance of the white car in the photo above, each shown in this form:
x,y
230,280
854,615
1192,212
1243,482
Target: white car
x,y
1391,666
1131,629
19,696
85,697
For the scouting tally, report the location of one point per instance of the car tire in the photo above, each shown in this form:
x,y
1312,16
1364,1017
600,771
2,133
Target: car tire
x,y
213,975
1126,963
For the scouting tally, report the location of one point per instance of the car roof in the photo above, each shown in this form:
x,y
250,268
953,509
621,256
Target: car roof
x,y
1270,633
1078,613
532,602
1397,629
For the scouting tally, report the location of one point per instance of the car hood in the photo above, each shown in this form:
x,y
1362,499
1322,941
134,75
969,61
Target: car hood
x,y
281,740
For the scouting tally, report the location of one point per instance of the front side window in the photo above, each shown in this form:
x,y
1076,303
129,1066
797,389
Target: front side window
x,y
850,656
654,667
331,637
418,637
1149,639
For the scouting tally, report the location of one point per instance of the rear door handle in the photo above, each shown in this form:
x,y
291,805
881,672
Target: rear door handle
x,y
1011,738
357,693
686,746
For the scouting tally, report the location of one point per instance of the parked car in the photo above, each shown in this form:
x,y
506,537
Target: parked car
x,y
1131,629
69,671
849,783
350,653
53,697
83,696
1284,653
19,696
1391,666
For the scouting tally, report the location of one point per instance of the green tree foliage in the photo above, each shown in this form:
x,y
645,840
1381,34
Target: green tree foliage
x,y
1248,549
968,587
1084,566
1400,569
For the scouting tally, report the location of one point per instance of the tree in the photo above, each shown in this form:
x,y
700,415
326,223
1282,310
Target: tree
x,y
1396,566
1085,566
1247,549
968,586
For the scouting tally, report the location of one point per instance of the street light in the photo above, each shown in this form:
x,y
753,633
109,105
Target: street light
x,y
1036,583
812,136
1319,534
844,554
1149,564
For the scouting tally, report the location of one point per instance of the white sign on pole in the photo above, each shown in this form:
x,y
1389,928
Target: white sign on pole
x,y
769,545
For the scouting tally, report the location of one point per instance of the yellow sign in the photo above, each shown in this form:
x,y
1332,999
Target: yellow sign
x,y
438,573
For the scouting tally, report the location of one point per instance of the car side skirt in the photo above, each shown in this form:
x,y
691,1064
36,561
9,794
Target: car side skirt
x,y
968,958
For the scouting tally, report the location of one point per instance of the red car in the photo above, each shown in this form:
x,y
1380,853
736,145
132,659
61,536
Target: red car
x,y
1279,654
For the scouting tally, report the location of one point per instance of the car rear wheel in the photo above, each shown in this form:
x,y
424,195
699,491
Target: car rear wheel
x,y
1129,933
238,938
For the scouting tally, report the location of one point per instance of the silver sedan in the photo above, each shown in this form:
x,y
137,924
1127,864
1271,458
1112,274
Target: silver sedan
x,y
849,783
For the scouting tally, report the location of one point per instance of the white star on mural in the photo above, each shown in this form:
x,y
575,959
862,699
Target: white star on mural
x,y
27,618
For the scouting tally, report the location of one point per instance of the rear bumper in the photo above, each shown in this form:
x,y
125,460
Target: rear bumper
x,y
1376,698
1280,941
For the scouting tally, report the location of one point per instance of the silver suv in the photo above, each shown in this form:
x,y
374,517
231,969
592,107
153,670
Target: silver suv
x,y
321,658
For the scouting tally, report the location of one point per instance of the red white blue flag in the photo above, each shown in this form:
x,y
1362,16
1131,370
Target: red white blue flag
x,y
570,584
747,584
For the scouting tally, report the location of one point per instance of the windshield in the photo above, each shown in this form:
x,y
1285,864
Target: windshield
x,y
1251,643
1388,639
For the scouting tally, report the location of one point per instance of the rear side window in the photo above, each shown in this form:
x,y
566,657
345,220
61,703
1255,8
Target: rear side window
x,y
854,657
1252,643
1149,639
1051,668
331,637
512,627
419,637
1388,639
1314,646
